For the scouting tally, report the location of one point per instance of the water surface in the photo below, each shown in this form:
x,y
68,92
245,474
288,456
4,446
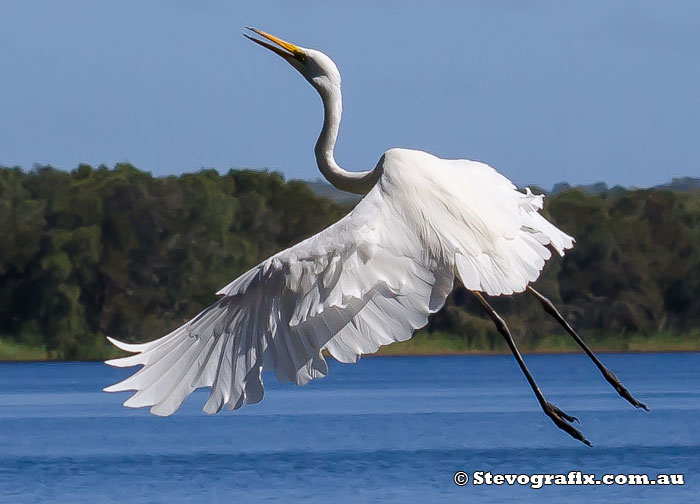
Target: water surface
x,y
383,430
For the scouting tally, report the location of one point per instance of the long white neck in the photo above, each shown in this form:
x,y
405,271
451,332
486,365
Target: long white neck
x,y
354,182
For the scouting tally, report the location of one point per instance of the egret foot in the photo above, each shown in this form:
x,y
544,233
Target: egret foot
x,y
564,421
569,418
617,385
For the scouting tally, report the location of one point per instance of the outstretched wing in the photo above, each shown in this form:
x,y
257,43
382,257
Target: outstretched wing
x,y
363,282
369,280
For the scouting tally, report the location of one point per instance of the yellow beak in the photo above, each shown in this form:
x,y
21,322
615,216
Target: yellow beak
x,y
285,49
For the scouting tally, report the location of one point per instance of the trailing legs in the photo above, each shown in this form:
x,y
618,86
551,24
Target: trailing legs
x,y
607,374
560,419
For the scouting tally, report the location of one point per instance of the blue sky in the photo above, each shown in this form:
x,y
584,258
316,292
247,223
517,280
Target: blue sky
x,y
545,91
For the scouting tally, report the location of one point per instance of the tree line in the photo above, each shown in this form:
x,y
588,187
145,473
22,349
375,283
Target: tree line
x,y
99,252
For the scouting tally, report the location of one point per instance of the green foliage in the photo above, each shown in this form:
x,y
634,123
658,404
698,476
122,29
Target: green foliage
x,y
117,252
99,252
12,351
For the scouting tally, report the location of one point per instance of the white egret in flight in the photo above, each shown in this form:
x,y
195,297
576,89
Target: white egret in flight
x,y
368,280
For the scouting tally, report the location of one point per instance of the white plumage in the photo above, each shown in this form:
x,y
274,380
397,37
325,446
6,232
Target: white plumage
x,y
369,280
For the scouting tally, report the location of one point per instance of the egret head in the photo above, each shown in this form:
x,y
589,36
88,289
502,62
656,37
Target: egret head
x,y
315,66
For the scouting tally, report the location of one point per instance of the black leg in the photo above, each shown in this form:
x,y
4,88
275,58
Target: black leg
x,y
607,374
560,419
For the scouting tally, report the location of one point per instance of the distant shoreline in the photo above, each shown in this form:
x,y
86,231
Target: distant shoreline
x,y
421,345
487,353
407,355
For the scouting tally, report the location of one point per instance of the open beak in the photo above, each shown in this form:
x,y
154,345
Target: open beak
x,y
285,49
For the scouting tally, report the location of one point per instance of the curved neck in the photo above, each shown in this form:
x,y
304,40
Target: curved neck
x,y
354,182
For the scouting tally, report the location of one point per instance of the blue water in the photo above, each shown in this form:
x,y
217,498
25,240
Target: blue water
x,y
383,430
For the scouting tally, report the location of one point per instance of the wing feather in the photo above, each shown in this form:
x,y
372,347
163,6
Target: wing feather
x,y
369,280
349,289
493,233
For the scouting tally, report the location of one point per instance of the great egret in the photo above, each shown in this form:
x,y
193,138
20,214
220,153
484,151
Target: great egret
x,y
368,280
